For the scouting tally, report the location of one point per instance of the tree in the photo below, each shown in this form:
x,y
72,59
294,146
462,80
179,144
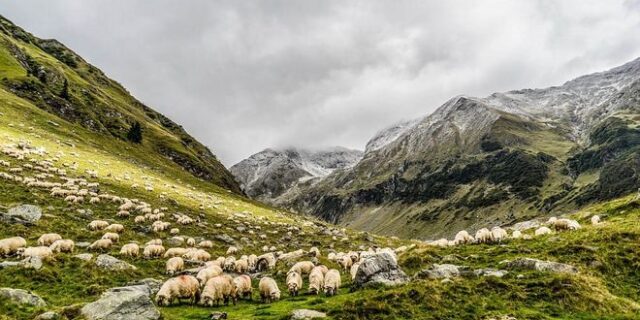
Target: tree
x,y
135,133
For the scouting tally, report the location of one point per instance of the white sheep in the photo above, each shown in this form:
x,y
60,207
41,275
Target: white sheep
x,y
191,242
302,267
241,266
542,231
232,250
354,270
269,290
316,280
463,237
115,227
219,288
332,282
154,241
345,262
44,253
242,286
229,263
174,265
595,220
181,287
174,231
197,255
9,246
114,237
205,244
139,219
48,238
207,273
101,245
483,236
175,252
517,234
66,245
96,225
566,224
130,250
153,250
498,234
294,282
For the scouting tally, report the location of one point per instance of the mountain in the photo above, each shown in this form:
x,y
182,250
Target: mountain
x,y
268,174
57,80
495,160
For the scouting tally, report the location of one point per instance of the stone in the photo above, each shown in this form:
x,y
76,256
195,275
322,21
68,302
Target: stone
x,y
440,271
218,315
32,263
82,244
108,262
84,256
49,315
21,297
379,268
225,238
303,314
540,265
8,264
489,272
25,214
153,285
130,304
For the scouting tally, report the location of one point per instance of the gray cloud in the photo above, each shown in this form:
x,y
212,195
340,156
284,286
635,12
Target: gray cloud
x,y
245,75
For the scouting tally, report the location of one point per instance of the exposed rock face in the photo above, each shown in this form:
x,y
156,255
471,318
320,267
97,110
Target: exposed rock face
x,y
132,303
26,214
304,314
106,261
21,297
381,268
540,265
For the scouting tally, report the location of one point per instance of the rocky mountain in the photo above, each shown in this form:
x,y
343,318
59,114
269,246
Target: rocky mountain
x,y
493,160
268,174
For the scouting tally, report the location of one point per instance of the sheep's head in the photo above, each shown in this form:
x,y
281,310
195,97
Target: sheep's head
x,y
293,287
329,291
162,300
275,295
207,301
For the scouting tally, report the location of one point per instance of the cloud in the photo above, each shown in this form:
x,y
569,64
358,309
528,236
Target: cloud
x,y
245,75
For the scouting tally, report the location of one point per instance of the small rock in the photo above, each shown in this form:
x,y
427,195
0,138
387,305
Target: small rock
x,y
540,265
26,214
8,264
82,244
84,256
49,315
302,314
490,273
446,280
106,261
439,271
19,296
218,315
225,238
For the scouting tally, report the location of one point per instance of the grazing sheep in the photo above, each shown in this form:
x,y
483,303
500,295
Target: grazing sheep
x,y
191,242
124,214
175,252
516,234
61,245
96,225
101,245
316,280
294,282
9,246
252,260
463,237
174,231
595,220
197,255
114,237
241,266
232,250
314,252
552,220
152,251
44,253
498,234
139,219
332,282
242,286
322,268
354,270
217,289
269,291
175,264
302,267
566,224
483,236
345,262
265,262
159,226
130,250
154,241
219,262
181,287
542,231
48,238
207,273
94,200
229,263
116,227
205,244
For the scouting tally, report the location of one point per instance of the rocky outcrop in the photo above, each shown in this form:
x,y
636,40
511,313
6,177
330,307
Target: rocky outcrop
x,y
440,271
131,303
540,265
24,214
108,262
381,268
21,297
305,314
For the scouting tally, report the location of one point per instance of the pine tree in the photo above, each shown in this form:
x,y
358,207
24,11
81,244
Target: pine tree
x,y
135,133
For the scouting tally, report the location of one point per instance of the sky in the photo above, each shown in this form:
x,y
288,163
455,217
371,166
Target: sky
x,y
242,76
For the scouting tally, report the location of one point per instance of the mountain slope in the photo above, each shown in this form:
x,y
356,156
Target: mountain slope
x,y
57,80
494,160
269,174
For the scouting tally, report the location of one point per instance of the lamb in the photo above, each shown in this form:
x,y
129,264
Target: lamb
x,y
498,234
96,225
595,220
542,231
152,251
269,290
66,245
175,252
114,237
130,250
241,266
302,267
217,289
101,245
332,282
483,236
566,224
345,262
181,287
294,282
10,246
463,237
174,265
116,227
44,253
207,273
242,286
48,238
316,280
191,242
94,200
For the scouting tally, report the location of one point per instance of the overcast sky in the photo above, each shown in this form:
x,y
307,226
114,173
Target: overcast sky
x,y
245,75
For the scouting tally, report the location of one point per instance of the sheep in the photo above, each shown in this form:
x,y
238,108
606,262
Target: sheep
x,y
66,245
217,289
114,237
316,280
159,226
332,282
139,219
483,236
241,266
181,287
205,244
269,290
232,250
94,200
595,220
130,250
96,225
152,251
101,245
42,252
566,224
314,252
498,234
463,237
517,234
302,267
115,227
345,262
197,255
124,214
174,231
219,262
154,241
242,286
48,238
294,282
265,262
191,242
9,246
542,231
322,268
207,273
174,265
175,252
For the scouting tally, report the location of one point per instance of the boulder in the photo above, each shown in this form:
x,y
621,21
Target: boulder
x,y
21,297
489,272
440,271
82,244
153,285
122,303
303,314
8,264
49,315
379,268
84,256
225,238
540,265
25,214
108,262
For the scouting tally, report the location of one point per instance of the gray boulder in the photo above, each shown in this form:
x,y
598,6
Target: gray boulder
x,y
225,238
108,262
130,304
303,314
82,244
489,272
25,214
153,285
21,297
8,264
540,265
380,268
49,315
440,271
84,256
